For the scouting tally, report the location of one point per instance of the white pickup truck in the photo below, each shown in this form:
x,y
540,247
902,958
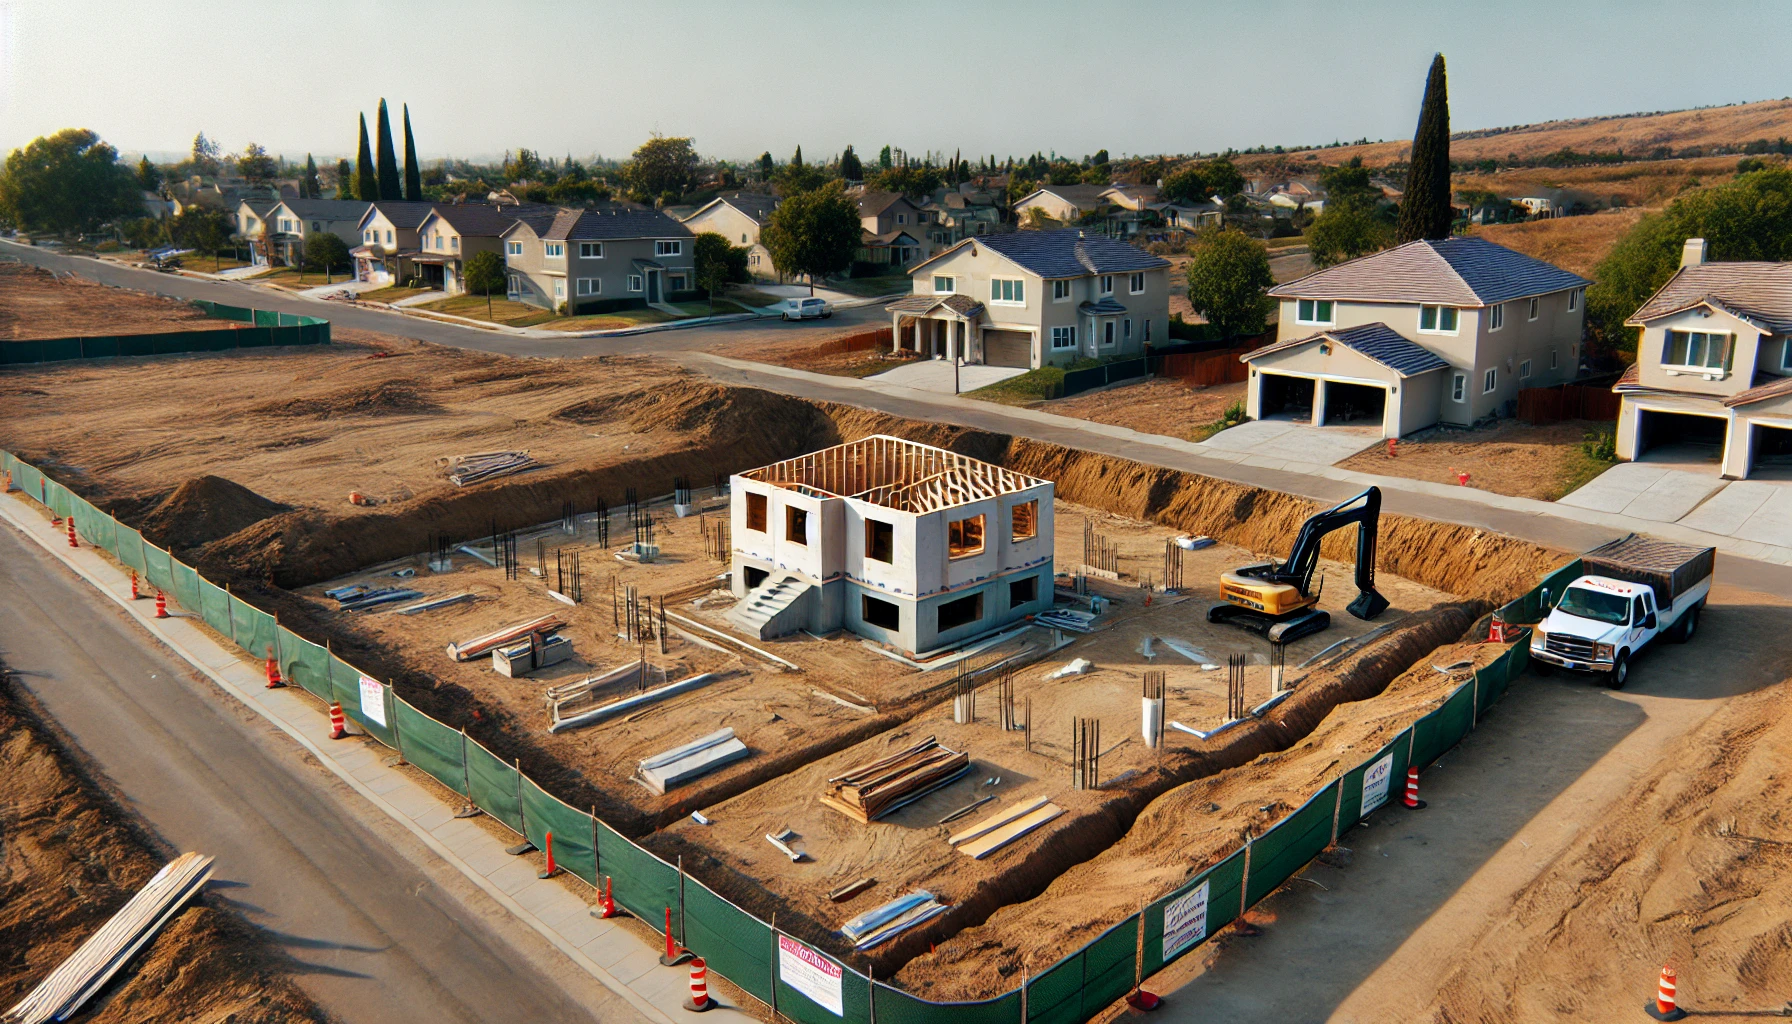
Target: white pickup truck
x,y
1634,590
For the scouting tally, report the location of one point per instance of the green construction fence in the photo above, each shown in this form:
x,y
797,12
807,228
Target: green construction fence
x,y
806,984
266,328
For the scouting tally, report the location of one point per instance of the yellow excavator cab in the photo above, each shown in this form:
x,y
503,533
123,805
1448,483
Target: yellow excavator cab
x,y
1278,600
1261,596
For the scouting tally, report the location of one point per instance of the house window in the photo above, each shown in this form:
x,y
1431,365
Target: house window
x,y
880,540
1063,337
1496,316
753,259
902,218
1786,356
668,248
1147,338
513,248
678,283
1552,358
943,285
1524,369
1698,351
796,525
1007,291
1060,291
454,243
554,250
1023,520
590,286
756,512
1313,311
1107,284
962,612
1574,300
1437,319
634,282
315,226
388,237
591,250
964,537
516,286
1023,591
1458,387
1107,333
441,241
1490,380
1136,284
880,613
1534,304
1126,328
743,238
559,287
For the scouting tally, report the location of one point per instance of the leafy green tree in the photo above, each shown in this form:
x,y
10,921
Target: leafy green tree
x,y
256,166
797,160
327,253
390,183
413,174
1222,177
1349,184
204,229
1195,183
485,275
883,159
1425,208
367,182
577,192
1749,218
850,167
1345,231
664,163
205,154
814,233
1099,159
145,233
308,186
524,166
913,180
345,179
766,166
1228,281
68,183
794,178
149,176
717,263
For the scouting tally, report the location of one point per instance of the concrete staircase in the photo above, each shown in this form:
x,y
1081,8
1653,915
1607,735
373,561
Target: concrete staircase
x,y
775,608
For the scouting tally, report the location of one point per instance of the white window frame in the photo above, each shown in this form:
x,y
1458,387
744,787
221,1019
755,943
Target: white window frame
x,y
1107,284
1063,338
1536,306
1490,380
1135,284
1459,387
388,236
1308,311
1014,286
589,286
553,250
1496,317
516,285
943,285
591,250
668,247
1573,299
560,289
454,243
1061,290
513,248
635,283
1524,370
1725,338
1438,318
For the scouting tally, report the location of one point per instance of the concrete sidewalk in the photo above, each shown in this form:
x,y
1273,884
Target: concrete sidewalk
x,y
613,955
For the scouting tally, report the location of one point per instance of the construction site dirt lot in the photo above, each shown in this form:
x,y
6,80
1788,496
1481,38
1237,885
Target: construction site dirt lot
x,y
35,303
1155,405
70,856
1543,461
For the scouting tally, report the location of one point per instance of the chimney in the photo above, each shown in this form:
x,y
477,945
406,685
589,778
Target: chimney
x,y
1692,254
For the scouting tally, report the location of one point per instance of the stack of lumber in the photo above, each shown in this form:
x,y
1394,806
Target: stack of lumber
x,y
556,707
681,764
1004,827
477,646
869,791
898,915
87,970
472,469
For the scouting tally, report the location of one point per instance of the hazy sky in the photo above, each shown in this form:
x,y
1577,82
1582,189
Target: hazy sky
x,y
1007,78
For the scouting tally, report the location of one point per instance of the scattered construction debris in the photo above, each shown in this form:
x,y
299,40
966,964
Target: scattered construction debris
x,y
531,654
1004,827
851,889
465,470
869,791
86,971
477,646
1073,667
699,757
899,915
1073,619
966,809
577,692
781,841
433,603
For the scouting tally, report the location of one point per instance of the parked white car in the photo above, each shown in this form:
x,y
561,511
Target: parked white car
x,y
803,309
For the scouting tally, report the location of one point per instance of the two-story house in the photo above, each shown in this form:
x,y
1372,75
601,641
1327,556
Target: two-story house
x,y
388,233
914,546
291,221
251,216
891,229
739,218
953,215
1034,298
1431,331
614,257
1714,364
452,233
1062,203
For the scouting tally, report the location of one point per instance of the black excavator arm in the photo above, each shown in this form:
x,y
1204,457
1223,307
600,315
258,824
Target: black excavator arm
x,y
1364,510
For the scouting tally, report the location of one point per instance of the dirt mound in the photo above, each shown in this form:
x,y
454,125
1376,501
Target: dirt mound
x,y
709,411
70,857
388,398
204,509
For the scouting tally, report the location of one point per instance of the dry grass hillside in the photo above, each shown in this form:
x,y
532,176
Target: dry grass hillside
x,y
1575,244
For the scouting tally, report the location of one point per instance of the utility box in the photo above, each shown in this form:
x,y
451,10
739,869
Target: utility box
x,y
531,655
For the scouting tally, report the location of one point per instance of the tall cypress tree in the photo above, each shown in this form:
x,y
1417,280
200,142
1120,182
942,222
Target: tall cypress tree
x,y
1425,208
388,160
345,179
797,160
367,185
413,175
308,187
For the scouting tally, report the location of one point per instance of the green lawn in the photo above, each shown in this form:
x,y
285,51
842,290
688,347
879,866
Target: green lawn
x,y
502,311
392,293
1024,389
637,317
292,277
1285,242
867,287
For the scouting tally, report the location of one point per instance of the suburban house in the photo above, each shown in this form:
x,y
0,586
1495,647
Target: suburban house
x,y
251,217
1062,203
907,544
953,215
450,234
1714,364
1427,332
1034,298
388,233
739,218
890,228
287,225
614,257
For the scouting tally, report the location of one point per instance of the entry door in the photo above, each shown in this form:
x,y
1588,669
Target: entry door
x,y
653,286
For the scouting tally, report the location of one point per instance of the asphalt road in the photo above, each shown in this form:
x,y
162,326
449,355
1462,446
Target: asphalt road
x,y
377,927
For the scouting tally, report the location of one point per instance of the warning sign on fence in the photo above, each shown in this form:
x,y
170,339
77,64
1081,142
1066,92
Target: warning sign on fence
x,y
1185,921
373,701
1375,783
811,974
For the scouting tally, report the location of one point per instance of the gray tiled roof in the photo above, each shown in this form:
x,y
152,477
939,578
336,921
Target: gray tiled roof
x,y
402,212
478,219
1378,341
1066,253
1106,307
1758,292
963,305
327,209
614,221
1467,271
1768,387
759,207
872,203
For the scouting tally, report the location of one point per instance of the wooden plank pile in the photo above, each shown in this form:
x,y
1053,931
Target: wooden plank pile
x,y
1004,827
867,792
471,469
477,646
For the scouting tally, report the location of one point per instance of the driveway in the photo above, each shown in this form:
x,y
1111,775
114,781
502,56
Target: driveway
x,y
936,375
1281,441
1758,510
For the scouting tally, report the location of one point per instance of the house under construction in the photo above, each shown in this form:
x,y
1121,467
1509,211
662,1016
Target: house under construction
x,y
905,543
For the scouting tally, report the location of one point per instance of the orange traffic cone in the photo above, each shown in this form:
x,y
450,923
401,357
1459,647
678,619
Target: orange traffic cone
x,y
161,604
274,680
72,542
1665,1007
674,956
548,869
606,905
338,724
134,594
1412,800
699,1000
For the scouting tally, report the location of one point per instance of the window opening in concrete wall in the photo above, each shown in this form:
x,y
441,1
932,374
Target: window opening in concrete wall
x,y
880,540
796,525
1024,520
754,577
961,612
880,613
1024,591
965,537
756,512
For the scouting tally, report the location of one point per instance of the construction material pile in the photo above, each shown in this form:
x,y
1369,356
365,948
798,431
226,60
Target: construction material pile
x,y
897,916
1004,827
869,791
360,598
543,627
75,980
465,470
692,760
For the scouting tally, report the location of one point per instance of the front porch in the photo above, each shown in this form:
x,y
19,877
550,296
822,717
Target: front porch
x,y
938,327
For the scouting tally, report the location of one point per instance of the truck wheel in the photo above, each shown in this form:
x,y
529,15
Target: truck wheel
x,y
1620,673
1688,623
1542,668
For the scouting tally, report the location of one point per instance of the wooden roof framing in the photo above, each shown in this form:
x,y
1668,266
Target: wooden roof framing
x,y
895,473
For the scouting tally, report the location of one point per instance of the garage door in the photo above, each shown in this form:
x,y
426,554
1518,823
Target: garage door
x,y
1008,348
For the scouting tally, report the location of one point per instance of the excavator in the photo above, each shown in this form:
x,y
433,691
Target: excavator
x,y
1277,599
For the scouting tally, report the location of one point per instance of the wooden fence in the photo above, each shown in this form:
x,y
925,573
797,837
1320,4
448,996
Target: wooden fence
x,y
1205,369
864,341
1567,402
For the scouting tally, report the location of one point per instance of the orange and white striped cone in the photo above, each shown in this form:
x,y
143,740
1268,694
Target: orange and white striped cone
x,y
161,604
338,723
134,594
72,542
1412,801
274,680
607,905
1666,1003
674,954
548,868
699,1000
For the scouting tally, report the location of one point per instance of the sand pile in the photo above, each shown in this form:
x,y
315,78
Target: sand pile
x,y
204,509
387,398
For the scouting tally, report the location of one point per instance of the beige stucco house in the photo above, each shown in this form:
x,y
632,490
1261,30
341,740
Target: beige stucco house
x,y
388,232
1714,365
1035,298
612,257
289,222
739,218
450,234
1062,203
1461,319
891,229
